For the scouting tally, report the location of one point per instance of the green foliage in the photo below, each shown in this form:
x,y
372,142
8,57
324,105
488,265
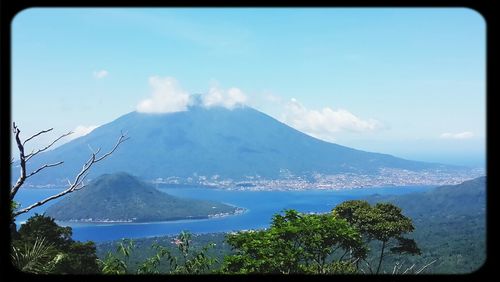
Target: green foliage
x,y
340,267
383,222
37,258
188,261
41,226
450,227
113,264
45,247
151,265
14,205
295,243
79,258
193,262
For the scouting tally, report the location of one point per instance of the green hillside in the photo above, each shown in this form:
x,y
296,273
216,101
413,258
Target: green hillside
x,y
450,225
121,197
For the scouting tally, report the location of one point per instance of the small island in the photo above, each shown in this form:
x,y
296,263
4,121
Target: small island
x,y
122,198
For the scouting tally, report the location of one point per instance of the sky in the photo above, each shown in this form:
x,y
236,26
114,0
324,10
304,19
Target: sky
x,y
403,81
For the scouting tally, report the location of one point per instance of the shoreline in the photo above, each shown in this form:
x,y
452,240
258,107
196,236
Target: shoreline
x,y
269,189
238,211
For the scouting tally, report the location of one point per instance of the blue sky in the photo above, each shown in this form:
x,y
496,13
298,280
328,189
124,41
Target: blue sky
x,y
408,82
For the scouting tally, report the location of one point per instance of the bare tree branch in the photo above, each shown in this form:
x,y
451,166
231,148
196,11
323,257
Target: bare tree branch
x,y
29,156
35,135
409,268
397,267
78,182
82,182
43,167
22,163
425,266
24,158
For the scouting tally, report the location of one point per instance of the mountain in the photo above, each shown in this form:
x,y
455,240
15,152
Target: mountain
x,y
122,197
215,144
465,199
450,225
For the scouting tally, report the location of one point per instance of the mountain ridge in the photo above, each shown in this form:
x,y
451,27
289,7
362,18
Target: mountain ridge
x,y
216,143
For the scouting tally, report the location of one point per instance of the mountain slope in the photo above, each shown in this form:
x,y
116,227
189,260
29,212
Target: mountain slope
x,y
122,197
230,144
465,199
450,225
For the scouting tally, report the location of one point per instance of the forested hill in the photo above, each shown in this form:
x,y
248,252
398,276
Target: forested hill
x,y
450,224
121,197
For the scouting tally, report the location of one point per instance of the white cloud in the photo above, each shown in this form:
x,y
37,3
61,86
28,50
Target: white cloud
x,y
167,97
325,123
100,74
79,131
230,98
461,135
82,130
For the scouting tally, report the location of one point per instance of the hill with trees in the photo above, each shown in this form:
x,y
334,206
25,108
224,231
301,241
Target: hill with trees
x,y
121,197
450,224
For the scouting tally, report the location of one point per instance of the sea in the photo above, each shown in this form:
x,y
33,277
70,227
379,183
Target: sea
x,y
260,206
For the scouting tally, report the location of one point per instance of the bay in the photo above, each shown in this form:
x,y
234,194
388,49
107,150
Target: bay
x,y
260,207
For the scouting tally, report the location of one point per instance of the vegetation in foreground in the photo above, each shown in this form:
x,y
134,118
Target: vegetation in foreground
x,y
446,234
332,243
41,246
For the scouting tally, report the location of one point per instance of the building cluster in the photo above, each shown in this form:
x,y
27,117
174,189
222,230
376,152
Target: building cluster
x,y
385,177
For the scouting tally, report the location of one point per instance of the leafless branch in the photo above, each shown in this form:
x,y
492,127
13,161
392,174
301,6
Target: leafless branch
x,y
35,135
397,267
78,182
22,162
409,268
24,158
82,182
32,154
43,167
425,266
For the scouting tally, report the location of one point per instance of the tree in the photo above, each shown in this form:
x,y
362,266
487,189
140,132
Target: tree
x,y
78,182
41,226
79,258
189,261
383,222
41,246
54,247
112,264
35,258
296,243
192,261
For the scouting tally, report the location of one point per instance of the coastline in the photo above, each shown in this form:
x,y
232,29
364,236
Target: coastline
x,y
107,222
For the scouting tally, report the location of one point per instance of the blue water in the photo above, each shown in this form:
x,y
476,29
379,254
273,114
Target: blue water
x,y
260,205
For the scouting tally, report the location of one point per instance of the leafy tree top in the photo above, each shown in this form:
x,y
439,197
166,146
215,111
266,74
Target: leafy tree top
x,y
382,222
42,226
